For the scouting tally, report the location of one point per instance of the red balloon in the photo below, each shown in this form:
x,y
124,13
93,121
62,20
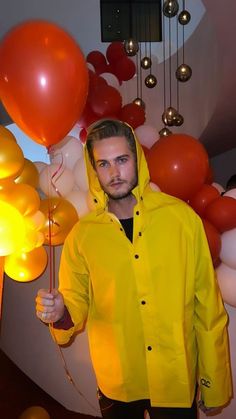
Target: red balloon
x,y
43,80
214,240
222,213
210,176
83,135
203,197
124,69
87,117
178,164
106,100
97,59
115,51
133,114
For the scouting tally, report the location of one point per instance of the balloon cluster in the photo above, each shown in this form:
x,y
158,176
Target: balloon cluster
x,y
179,165
64,187
21,220
106,73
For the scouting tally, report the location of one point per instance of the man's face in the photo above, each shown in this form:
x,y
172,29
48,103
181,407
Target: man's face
x,y
115,166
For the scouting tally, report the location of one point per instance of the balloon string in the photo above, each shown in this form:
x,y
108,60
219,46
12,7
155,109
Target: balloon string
x,y
52,278
58,172
1,282
67,372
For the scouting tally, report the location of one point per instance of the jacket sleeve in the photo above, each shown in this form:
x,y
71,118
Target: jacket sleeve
x,y
210,322
74,285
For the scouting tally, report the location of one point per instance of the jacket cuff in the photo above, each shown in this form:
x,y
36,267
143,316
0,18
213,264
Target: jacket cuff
x,y
65,322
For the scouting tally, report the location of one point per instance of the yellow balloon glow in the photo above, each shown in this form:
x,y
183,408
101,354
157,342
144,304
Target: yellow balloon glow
x,y
12,229
26,266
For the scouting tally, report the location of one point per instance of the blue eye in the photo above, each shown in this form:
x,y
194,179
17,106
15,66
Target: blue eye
x,y
123,160
103,164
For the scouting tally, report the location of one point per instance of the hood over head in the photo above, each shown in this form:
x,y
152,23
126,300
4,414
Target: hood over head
x,y
100,198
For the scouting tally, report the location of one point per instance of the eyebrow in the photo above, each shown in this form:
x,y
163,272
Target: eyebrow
x,y
117,158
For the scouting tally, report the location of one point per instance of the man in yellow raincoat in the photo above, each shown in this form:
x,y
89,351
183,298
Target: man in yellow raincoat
x,y
138,270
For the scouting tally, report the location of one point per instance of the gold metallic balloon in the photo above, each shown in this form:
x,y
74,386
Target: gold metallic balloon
x,y
169,115
170,8
6,134
34,412
11,157
25,198
184,17
150,81
60,215
146,63
138,101
131,47
29,174
183,72
164,132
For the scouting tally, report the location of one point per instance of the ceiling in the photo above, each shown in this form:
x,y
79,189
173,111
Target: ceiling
x,y
209,101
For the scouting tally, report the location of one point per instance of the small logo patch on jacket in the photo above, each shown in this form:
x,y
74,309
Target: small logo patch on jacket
x,y
205,382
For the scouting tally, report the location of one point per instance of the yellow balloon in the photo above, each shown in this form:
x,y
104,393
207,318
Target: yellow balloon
x,y
12,229
35,412
29,174
61,215
11,159
25,198
26,266
6,134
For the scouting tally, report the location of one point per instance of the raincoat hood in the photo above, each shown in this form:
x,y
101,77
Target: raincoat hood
x,y
100,198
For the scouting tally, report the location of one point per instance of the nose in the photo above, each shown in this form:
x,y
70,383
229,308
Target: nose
x,y
114,171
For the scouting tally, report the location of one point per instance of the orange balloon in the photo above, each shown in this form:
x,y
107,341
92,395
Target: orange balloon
x,y
11,159
178,164
6,134
61,215
26,266
29,174
25,198
43,80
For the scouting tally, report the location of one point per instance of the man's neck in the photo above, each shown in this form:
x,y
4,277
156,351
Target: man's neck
x,y
122,208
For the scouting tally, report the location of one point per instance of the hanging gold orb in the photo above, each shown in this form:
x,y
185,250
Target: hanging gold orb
x,y
170,8
183,72
146,63
178,120
138,101
169,115
150,81
131,47
164,132
184,17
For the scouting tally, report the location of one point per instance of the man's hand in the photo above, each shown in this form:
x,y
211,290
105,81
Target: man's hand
x,y
49,305
205,409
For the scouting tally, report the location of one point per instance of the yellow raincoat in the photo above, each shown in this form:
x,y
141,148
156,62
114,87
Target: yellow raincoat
x,y
155,318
